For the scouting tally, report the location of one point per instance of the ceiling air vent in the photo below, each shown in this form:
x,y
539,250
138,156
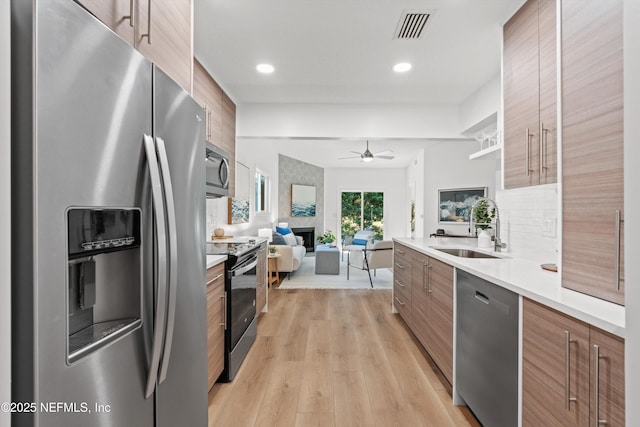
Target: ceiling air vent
x,y
411,25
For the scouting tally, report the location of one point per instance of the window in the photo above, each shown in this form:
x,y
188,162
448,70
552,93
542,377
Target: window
x,y
262,192
362,210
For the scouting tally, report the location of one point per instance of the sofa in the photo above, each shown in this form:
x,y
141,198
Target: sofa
x,y
291,250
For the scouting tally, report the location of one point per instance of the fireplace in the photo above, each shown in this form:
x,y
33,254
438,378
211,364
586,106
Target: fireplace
x,y
308,235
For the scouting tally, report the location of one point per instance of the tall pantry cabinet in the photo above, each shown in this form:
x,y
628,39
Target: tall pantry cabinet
x,y
592,148
530,106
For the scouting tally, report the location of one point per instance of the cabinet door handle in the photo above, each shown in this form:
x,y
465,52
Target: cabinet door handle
x,y
399,302
224,310
400,284
400,266
148,35
617,248
400,251
214,279
567,367
131,16
596,384
429,290
543,140
527,147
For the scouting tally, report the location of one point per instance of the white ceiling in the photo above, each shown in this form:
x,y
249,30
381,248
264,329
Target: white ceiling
x,y
343,51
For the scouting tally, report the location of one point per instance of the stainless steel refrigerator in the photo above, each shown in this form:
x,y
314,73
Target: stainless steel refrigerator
x,y
108,246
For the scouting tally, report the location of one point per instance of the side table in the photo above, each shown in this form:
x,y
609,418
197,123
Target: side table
x,y
273,268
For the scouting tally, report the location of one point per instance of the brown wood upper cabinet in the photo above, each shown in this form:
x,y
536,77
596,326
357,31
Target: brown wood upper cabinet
x,y
530,74
220,112
572,373
592,148
159,29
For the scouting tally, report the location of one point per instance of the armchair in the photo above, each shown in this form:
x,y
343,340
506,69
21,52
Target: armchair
x,y
379,255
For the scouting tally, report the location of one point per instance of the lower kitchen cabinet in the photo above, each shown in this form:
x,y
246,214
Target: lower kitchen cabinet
x,y
261,279
216,322
569,369
428,303
402,281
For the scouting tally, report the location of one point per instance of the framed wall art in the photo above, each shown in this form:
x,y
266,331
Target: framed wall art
x,y
303,200
454,206
238,211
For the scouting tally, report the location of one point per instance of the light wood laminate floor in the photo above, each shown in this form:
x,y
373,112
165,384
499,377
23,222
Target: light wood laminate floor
x,y
334,358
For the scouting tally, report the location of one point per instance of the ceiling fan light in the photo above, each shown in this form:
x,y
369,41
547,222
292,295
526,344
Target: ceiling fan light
x,y
366,159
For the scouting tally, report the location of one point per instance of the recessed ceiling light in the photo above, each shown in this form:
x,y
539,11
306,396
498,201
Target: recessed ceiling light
x,y
402,67
265,68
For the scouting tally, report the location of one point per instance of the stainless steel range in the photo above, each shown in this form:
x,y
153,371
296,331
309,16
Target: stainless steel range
x,y
240,285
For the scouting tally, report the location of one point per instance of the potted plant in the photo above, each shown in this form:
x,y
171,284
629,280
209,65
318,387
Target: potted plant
x,y
484,215
273,250
326,238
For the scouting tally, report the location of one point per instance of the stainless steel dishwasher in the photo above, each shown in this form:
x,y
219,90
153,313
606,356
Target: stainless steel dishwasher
x,y
487,350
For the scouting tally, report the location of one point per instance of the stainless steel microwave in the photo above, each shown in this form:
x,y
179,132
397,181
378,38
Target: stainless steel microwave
x,y
217,166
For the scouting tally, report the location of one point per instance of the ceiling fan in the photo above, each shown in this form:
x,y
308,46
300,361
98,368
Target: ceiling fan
x,y
368,156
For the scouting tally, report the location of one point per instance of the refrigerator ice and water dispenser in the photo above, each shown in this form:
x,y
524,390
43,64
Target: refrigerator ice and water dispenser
x,y
105,280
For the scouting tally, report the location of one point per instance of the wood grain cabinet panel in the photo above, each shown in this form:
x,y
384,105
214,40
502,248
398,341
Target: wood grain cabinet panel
x,y
555,348
595,367
420,298
402,281
261,280
530,125
168,22
429,311
215,322
440,279
607,378
592,148
115,14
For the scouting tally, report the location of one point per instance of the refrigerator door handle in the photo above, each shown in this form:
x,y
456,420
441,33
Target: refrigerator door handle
x,y
161,300
173,256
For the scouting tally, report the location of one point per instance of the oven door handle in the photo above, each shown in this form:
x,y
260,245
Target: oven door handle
x,y
240,271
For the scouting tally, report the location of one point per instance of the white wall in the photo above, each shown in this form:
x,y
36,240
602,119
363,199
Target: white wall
x,y
632,204
392,182
447,166
5,202
348,121
483,103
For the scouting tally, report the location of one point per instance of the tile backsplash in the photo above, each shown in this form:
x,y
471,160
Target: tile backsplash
x,y
529,222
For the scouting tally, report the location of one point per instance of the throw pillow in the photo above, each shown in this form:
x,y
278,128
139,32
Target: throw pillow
x,y
283,230
290,239
361,242
278,239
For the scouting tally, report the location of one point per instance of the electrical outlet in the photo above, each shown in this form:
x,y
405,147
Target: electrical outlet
x,y
549,227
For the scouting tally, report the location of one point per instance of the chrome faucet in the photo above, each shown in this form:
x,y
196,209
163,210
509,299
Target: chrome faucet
x,y
498,245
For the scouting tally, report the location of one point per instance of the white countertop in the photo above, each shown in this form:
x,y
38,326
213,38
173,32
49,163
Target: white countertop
x,y
528,279
213,260
239,239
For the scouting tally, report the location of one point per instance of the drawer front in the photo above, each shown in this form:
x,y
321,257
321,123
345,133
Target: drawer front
x,y
215,275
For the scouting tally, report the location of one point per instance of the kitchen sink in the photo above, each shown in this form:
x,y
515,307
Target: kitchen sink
x,y
465,253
